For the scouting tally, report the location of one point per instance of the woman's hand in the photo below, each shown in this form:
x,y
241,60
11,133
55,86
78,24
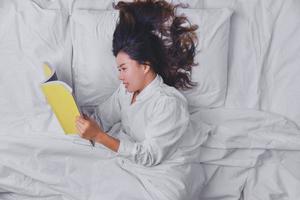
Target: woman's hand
x,y
88,128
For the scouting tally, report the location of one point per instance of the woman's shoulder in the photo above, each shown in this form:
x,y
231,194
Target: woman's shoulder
x,y
167,101
170,95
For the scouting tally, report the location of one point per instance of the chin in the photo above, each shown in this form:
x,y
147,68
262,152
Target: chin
x,y
129,90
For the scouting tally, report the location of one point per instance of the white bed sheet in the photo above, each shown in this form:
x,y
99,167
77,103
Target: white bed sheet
x,y
264,55
249,155
50,165
47,167
259,130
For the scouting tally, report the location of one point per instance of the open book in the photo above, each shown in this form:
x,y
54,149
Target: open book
x,y
60,98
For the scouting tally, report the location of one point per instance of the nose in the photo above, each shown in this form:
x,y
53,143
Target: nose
x,y
121,78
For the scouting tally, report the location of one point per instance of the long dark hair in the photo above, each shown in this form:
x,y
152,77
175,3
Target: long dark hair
x,y
151,33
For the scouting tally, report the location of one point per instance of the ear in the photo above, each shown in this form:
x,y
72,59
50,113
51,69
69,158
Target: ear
x,y
146,68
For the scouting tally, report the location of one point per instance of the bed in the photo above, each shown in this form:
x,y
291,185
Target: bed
x,y
245,107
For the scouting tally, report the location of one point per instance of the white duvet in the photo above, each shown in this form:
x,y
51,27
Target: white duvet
x,y
50,165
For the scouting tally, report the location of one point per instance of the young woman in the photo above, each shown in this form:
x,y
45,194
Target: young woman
x,y
154,50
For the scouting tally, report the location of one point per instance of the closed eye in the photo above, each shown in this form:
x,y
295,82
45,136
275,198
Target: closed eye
x,y
122,69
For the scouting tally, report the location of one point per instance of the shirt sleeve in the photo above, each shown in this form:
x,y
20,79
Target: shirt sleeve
x,y
109,112
166,126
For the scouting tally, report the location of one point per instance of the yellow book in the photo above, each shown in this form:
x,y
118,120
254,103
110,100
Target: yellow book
x,y
60,98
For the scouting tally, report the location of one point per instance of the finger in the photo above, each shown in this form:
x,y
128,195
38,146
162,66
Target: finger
x,y
84,116
80,121
78,117
80,128
81,118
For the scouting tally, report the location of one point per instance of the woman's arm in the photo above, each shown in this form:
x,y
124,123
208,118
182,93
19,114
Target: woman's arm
x,y
164,130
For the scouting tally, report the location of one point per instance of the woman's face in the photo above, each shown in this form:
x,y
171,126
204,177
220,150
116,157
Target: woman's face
x,y
131,73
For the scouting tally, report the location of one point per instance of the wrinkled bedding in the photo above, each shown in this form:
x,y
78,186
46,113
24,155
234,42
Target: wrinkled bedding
x,y
253,148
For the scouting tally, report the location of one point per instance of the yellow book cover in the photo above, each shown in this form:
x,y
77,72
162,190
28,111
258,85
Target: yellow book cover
x,y
60,98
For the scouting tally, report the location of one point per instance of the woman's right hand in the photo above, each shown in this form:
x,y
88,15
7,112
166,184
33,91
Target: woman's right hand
x,y
87,127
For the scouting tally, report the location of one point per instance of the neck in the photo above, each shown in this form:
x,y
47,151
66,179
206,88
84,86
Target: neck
x,y
148,79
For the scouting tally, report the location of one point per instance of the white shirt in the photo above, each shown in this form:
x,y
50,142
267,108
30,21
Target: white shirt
x,y
155,122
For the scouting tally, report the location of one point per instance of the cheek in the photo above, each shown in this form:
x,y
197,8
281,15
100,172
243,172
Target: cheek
x,y
138,81
134,77
130,75
126,75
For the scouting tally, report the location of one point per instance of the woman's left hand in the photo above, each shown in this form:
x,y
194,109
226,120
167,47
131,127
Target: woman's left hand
x,y
87,127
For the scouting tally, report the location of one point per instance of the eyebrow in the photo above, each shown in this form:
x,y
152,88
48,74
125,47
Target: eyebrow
x,y
121,65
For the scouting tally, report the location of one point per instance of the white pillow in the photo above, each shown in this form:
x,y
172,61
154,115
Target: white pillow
x,y
280,82
108,4
30,35
211,72
93,4
95,72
